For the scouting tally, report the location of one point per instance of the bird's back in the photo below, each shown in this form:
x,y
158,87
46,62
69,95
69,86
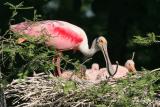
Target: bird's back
x,y
62,35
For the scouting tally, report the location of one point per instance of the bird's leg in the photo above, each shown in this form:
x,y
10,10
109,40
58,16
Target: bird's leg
x,y
58,66
54,63
58,61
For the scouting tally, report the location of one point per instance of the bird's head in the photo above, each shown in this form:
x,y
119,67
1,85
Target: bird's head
x,y
101,43
130,65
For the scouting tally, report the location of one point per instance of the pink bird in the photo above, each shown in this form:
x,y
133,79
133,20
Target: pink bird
x,y
92,74
63,36
96,75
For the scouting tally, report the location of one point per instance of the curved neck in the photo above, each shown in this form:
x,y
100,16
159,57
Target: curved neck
x,y
84,48
88,52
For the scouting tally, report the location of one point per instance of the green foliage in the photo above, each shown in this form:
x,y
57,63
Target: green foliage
x,y
145,41
134,91
26,57
69,86
16,7
33,55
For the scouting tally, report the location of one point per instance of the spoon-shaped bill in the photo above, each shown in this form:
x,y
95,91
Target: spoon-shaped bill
x,y
107,60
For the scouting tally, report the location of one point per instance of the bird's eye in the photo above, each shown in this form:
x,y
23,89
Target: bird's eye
x,y
100,41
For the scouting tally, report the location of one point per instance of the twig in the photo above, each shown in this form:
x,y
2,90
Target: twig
x,y
86,60
157,69
156,41
2,96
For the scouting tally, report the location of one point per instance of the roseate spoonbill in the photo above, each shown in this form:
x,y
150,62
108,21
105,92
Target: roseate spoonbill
x,y
63,36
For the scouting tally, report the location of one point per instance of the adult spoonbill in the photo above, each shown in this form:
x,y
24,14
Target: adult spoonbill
x,y
63,36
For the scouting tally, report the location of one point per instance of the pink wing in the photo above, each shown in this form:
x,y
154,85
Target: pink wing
x,y
61,35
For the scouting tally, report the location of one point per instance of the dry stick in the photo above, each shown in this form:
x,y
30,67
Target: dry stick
x,y
79,103
86,60
23,92
157,69
2,96
156,41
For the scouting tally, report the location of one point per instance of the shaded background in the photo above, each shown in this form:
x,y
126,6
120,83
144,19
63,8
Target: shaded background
x,y
118,21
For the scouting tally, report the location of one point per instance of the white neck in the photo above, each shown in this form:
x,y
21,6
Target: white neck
x,y
88,52
84,48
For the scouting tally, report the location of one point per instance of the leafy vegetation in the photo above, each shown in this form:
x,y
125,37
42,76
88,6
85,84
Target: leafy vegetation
x,y
22,58
145,41
133,91
32,55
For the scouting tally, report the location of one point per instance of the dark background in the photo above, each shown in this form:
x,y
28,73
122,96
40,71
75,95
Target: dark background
x,y
117,20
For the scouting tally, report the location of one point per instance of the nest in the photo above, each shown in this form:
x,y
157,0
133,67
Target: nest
x,y
44,91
